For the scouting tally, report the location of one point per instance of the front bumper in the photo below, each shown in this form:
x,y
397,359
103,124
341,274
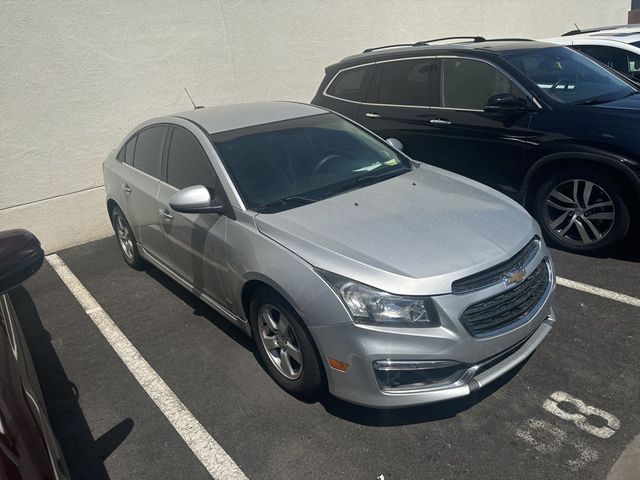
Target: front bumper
x,y
486,359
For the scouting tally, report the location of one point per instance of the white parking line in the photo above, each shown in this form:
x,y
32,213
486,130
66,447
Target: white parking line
x,y
211,455
601,292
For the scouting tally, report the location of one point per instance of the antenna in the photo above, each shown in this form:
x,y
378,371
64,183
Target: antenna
x,y
192,102
577,27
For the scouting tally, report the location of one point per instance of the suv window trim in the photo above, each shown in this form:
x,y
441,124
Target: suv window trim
x,y
529,95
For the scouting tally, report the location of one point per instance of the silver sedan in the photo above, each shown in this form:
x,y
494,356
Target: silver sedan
x,y
353,268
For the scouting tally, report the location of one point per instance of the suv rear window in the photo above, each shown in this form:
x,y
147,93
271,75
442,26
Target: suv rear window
x,y
406,82
351,84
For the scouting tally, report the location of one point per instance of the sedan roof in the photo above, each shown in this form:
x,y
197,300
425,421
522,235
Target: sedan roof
x,y
230,117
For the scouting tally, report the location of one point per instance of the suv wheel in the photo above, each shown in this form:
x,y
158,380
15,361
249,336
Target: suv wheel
x,y
126,239
582,211
284,345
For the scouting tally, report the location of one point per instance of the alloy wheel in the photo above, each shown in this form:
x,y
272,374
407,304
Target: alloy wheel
x,y
279,341
579,212
124,235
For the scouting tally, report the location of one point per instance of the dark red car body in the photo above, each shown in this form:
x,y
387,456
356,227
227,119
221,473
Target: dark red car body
x,y
28,448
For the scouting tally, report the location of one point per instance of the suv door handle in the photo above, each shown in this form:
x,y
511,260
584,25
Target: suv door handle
x,y
440,122
372,115
165,214
126,188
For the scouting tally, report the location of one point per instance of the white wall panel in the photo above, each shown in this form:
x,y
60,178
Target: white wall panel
x,y
76,76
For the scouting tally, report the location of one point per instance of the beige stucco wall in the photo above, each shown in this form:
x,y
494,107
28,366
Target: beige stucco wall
x,y
76,76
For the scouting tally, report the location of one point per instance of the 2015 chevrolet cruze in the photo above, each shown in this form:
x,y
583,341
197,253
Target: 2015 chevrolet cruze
x,y
391,282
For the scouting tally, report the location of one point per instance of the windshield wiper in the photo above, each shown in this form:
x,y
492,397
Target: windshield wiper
x,y
593,101
283,202
361,181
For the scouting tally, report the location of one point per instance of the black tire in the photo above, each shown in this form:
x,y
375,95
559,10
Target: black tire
x,y
604,191
130,253
310,381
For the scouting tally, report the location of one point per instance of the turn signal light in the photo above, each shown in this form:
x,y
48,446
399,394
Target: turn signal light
x,y
338,365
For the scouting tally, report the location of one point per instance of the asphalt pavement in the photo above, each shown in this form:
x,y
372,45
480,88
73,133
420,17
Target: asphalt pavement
x,y
568,412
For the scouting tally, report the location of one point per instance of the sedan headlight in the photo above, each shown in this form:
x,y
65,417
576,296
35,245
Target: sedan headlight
x,y
370,306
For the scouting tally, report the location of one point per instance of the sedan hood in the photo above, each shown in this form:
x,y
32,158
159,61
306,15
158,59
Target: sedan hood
x,y
413,234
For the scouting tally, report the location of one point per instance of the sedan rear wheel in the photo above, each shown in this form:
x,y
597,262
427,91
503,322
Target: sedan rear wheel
x,y
126,239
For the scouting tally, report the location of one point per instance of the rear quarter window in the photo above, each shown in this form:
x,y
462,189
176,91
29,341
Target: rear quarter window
x,y
351,84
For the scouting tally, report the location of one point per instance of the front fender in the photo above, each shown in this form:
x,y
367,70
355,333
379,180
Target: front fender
x,y
253,256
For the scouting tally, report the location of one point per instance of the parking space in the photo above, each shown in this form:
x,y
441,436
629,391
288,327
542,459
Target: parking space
x,y
568,412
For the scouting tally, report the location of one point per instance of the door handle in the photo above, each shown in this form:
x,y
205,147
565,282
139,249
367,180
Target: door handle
x,y
165,214
440,122
372,115
126,188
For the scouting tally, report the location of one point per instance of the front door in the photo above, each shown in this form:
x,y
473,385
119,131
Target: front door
x,y
196,241
487,147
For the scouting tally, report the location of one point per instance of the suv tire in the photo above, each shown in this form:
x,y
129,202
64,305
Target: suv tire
x,y
582,211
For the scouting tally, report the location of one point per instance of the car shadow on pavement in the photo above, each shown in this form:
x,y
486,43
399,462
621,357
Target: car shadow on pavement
x,y
200,308
375,417
84,456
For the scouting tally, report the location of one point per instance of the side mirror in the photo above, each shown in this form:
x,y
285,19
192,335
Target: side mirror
x,y
196,199
395,143
20,257
505,103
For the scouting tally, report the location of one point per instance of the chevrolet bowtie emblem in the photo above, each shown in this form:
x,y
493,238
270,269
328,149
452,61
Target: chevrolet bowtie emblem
x,y
514,277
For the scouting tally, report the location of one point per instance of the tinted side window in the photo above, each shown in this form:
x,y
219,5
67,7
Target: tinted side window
x,y
468,84
406,82
351,84
616,58
129,148
187,164
148,150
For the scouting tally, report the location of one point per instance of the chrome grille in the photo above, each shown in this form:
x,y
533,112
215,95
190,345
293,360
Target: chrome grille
x,y
495,275
508,308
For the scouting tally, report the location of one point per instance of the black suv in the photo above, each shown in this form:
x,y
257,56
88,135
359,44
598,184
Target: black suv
x,y
542,123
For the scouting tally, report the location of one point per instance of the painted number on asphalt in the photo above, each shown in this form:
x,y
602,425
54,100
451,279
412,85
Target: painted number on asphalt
x,y
547,438
583,417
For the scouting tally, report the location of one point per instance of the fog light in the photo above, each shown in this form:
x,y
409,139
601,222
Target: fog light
x,y
398,375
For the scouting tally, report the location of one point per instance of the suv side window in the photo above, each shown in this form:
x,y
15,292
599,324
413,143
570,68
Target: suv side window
x,y
351,84
148,150
187,163
616,58
407,82
468,84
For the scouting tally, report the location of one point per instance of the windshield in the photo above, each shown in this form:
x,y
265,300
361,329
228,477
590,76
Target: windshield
x,y
281,165
568,76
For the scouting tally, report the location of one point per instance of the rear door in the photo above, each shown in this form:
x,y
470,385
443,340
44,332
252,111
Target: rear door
x,y
196,241
141,173
398,103
486,147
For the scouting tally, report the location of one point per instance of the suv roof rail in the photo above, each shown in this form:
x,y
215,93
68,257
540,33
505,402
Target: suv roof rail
x,y
428,42
514,39
388,46
578,31
422,43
